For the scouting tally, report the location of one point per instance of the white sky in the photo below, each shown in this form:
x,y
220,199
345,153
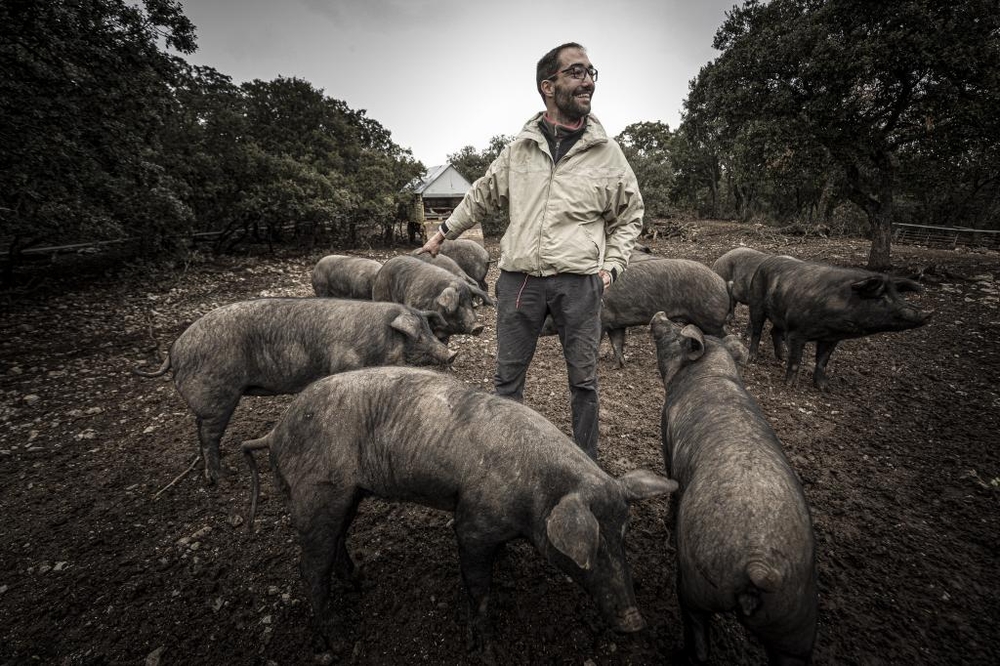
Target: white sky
x,y
444,74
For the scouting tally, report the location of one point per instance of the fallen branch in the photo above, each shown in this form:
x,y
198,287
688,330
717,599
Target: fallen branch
x,y
179,477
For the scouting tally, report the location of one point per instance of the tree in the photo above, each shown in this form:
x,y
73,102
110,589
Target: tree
x,y
695,151
865,82
264,157
647,147
472,165
83,95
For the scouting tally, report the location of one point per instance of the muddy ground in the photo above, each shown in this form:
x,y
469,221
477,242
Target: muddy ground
x,y
102,563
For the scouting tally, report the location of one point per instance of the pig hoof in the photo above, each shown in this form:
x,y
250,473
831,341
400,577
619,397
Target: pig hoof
x,y
631,621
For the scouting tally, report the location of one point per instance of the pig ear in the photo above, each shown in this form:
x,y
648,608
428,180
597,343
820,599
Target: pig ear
x,y
448,299
870,287
574,531
476,291
735,348
905,284
433,318
642,484
694,342
408,325
659,324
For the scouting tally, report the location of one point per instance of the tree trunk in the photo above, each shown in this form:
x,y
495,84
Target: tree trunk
x,y
880,218
877,205
879,256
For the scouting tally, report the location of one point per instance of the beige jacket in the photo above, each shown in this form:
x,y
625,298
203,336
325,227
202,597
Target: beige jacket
x,y
578,216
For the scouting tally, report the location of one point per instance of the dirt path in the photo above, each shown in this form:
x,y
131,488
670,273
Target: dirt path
x,y
899,462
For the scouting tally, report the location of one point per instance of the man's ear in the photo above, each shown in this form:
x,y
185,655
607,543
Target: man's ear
x,y
548,88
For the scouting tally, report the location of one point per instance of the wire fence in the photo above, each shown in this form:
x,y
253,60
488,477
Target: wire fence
x,y
947,237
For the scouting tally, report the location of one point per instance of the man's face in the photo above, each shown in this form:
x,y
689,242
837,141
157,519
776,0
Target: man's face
x,y
572,96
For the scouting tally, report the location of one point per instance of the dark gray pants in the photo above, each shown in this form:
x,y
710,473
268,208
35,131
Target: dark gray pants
x,y
574,301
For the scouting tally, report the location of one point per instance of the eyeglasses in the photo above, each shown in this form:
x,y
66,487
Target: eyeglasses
x,y
578,72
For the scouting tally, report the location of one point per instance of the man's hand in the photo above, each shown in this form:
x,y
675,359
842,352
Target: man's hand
x,y
606,277
433,244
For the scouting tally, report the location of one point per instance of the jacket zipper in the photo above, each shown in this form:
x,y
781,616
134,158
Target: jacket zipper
x,y
545,209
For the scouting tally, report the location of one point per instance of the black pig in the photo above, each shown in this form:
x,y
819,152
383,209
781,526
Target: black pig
x,y
471,256
275,346
807,301
737,267
504,470
686,290
344,276
447,263
411,281
744,537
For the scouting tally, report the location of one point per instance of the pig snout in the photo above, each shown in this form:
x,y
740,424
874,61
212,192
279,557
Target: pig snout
x,y
629,621
912,317
450,357
476,329
924,316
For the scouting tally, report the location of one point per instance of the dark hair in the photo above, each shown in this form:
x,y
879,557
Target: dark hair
x,y
548,66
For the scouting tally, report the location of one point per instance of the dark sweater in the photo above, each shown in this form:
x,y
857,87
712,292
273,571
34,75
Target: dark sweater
x,y
560,138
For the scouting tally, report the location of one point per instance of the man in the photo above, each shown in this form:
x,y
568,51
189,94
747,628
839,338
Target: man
x,y
575,212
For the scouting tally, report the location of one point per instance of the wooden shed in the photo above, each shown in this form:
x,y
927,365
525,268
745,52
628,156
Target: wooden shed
x,y
435,196
440,190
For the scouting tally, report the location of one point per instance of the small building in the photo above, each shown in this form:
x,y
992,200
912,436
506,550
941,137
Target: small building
x,y
435,196
441,189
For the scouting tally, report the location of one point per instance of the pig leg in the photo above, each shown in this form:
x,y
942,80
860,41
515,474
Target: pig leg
x,y
210,431
476,555
616,336
343,565
824,349
696,631
755,328
778,341
795,346
322,516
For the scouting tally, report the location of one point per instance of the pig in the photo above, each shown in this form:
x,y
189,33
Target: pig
x,y
687,290
471,256
420,436
736,267
275,346
344,276
742,529
447,263
808,301
408,280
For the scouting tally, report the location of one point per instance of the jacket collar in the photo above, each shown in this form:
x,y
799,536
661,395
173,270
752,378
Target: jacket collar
x,y
593,135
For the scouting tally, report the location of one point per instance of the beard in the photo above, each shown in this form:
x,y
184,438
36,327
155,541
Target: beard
x,y
570,106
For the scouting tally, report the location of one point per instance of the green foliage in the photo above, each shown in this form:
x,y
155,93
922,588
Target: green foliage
x,y
647,146
108,136
827,99
83,94
472,164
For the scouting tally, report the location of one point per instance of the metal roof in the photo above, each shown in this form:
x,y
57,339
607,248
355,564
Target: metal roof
x,y
442,181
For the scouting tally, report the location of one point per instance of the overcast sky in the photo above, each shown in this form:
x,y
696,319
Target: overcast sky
x,y
444,74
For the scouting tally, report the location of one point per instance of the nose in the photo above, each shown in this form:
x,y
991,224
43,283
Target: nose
x,y
476,330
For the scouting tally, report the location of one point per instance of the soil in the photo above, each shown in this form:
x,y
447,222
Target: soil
x,y
102,561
